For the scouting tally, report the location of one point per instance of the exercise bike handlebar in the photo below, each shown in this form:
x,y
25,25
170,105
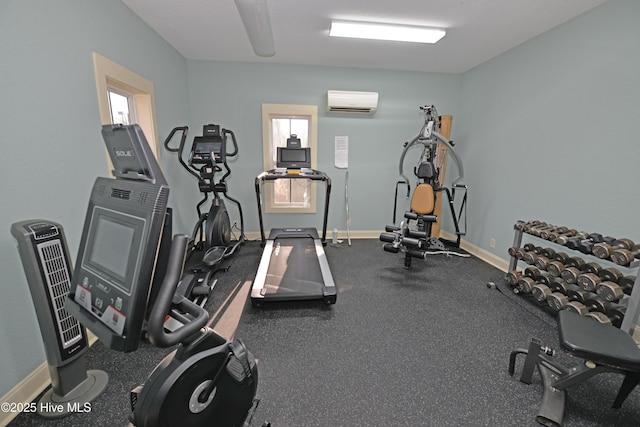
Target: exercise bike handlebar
x,y
166,299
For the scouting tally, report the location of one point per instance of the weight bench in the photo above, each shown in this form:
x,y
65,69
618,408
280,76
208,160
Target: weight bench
x,y
603,348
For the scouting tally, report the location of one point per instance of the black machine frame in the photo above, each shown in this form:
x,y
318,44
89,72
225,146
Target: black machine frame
x,y
211,235
326,289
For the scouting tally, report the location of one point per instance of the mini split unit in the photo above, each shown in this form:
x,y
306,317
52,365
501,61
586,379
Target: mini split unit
x,y
340,101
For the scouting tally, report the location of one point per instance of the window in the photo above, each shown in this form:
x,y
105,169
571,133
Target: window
x,y
279,121
121,106
125,97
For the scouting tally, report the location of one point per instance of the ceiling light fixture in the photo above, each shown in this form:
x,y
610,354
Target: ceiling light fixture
x,y
255,18
376,31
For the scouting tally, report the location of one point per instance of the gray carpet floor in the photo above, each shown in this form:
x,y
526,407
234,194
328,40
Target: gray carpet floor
x,y
427,346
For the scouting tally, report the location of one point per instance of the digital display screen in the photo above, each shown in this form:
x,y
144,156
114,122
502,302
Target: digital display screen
x,y
202,149
208,147
111,246
294,155
294,158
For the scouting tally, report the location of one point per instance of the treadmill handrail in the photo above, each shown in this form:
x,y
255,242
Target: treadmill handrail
x,y
275,174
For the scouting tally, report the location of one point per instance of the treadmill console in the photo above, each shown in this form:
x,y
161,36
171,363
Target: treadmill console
x,y
293,156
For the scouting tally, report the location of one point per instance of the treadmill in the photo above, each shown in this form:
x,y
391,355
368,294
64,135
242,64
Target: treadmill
x,y
293,265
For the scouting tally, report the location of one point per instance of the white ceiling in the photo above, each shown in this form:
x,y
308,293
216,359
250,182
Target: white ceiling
x,y
477,30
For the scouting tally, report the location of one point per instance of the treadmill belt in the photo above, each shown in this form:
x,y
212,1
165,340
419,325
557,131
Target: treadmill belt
x,y
294,269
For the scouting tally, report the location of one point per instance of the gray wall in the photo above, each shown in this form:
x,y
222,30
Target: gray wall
x,y
545,130
550,130
51,139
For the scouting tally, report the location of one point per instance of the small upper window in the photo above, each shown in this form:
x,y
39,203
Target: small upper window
x,y
121,107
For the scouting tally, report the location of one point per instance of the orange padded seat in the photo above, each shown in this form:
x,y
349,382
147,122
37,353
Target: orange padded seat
x,y
423,200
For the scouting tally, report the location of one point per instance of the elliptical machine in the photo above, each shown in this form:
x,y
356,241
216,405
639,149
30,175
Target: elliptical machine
x,y
416,241
212,234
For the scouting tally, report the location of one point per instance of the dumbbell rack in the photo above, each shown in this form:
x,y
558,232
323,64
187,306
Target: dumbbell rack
x,y
630,319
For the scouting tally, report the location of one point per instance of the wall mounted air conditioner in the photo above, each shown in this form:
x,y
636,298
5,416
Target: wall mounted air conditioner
x,y
340,101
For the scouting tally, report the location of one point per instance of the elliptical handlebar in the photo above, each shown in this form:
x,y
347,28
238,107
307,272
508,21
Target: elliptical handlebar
x,y
180,149
226,132
165,299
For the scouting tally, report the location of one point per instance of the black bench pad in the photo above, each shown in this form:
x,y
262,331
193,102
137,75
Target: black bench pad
x,y
600,343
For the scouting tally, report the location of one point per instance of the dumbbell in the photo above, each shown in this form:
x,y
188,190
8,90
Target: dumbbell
x,y
612,291
559,294
564,238
540,292
536,231
590,281
522,225
603,250
614,316
555,266
625,256
579,294
589,305
512,277
575,267
526,283
544,258
553,236
544,234
586,245
516,252
530,256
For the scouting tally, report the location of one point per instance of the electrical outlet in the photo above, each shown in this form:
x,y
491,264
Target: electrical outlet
x,y
492,243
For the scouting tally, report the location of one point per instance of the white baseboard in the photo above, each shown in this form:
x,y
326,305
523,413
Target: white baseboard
x,y
484,255
26,391
31,386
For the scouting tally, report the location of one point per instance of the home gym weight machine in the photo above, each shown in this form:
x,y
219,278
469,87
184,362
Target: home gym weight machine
x,y
211,236
207,380
416,241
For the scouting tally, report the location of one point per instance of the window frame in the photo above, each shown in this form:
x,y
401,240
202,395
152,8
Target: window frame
x,y
109,74
270,111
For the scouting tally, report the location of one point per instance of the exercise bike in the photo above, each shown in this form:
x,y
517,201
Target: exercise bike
x,y
207,380
210,243
414,239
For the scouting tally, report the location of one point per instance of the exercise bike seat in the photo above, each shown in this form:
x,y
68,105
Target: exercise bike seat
x,y
214,255
597,342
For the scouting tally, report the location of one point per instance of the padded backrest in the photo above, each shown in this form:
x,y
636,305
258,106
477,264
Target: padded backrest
x,y
423,199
